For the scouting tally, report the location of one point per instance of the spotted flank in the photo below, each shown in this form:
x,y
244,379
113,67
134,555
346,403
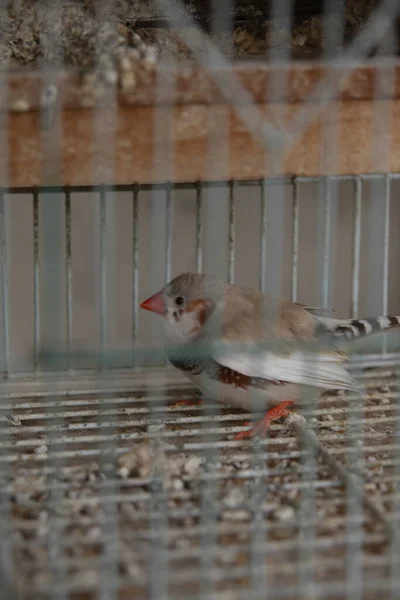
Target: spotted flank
x,y
351,329
236,378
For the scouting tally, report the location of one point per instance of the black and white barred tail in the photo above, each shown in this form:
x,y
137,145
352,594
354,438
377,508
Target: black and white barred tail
x,y
352,329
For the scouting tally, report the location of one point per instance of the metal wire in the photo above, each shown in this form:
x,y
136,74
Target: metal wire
x,y
4,283
199,228
103,272
105,127
386,241
190,185
50,258
295,241
7,562
135,266
263,246
108,490
36,296
356,248
325,242
231,267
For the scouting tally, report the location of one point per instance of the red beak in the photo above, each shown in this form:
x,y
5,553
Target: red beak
x,y
155,304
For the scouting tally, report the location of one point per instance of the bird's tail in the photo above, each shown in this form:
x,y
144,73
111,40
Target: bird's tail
x,y
352,329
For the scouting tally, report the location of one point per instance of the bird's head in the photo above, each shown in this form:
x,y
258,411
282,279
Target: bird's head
x,y
186,304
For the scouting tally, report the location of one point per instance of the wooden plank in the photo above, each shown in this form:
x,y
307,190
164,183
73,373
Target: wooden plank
x,y
133,130
189,84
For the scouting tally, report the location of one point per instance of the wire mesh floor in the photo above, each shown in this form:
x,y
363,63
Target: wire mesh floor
x,y
122,492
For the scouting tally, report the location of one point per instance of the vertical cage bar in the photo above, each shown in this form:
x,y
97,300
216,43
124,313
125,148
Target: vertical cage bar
x,y
168,233
383,134
375,257
355,295
36,287
263,241
395,540
382,125
271,263
53,237
103,274
219,255
135,268
355,508
333,31
307,512
157,253
386,247
161,228
231,270
375,252
68,283
306,553
383,121
199,227
354,426
259,534
328,191
8,590
325,242
158,524
4,284
272,236
295,240
216,229
105,125
222,22
9,583
160,201
110,554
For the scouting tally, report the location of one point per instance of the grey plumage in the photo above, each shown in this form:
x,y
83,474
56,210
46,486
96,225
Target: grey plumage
x,y
248,314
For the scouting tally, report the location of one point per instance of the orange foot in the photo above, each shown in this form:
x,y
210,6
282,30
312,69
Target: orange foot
x,y
193,402
273,414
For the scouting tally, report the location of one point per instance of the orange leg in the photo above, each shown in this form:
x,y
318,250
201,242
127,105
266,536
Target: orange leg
x,y
273,414
194,402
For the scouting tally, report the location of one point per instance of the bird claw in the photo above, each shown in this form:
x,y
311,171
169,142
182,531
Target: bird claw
x,y
260,428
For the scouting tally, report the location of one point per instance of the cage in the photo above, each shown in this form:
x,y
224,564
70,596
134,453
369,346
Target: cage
x,y
255,141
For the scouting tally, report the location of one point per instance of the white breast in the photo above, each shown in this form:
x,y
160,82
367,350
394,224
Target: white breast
x,y
249,399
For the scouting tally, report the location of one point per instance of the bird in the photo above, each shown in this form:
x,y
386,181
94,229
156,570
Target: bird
x,y
199,308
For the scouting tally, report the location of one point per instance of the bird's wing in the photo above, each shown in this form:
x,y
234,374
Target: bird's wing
x,y
250,317
317,370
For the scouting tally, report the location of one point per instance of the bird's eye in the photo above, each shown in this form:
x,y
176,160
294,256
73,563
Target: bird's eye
x,y
179,300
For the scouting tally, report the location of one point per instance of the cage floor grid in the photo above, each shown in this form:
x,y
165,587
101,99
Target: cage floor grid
x,y
123,492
